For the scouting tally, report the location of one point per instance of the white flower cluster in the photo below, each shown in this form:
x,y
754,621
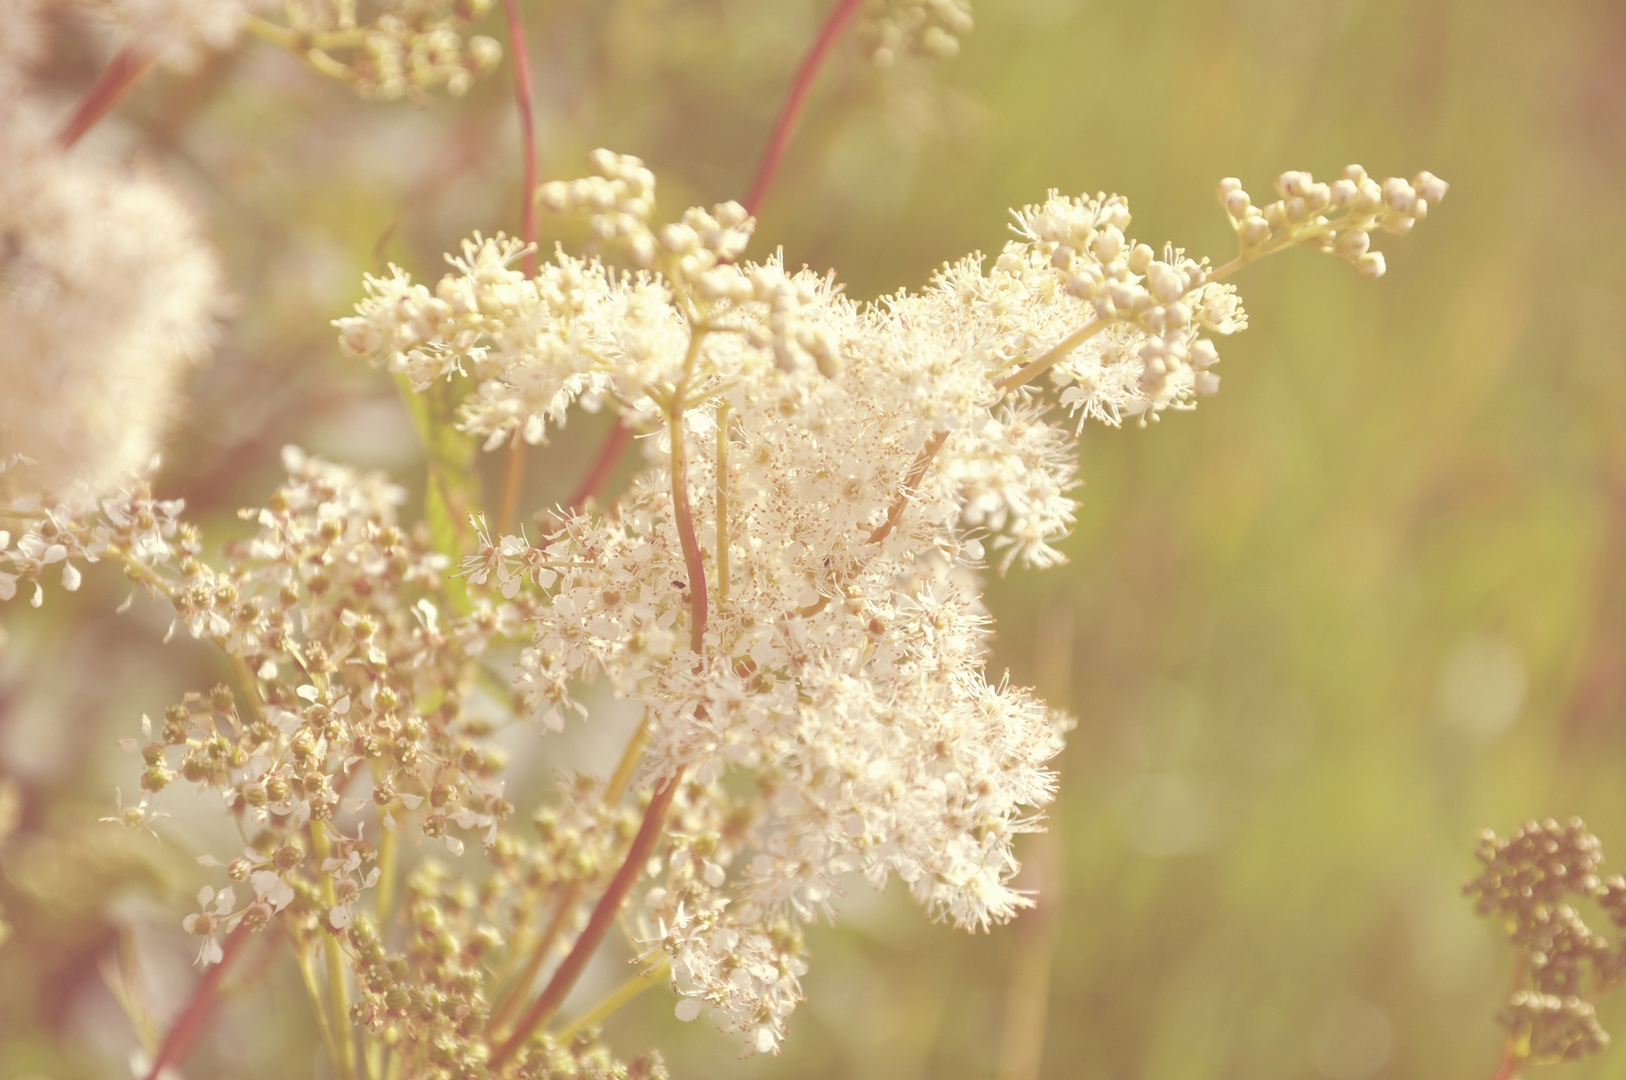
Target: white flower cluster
x,y
794,594
791,591
405,48
108,293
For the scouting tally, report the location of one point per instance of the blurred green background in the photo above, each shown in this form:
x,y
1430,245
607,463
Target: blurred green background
x,y
1367,601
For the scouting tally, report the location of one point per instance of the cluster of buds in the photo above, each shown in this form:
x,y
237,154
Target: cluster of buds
x,y
617,198
1337,218
408,47
925,27
403,57
1564,965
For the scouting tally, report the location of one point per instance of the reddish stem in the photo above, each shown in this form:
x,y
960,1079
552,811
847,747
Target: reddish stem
x,y
603,465
527,128
598,924
514,476
1511,1066
181,1035
791,110
121,73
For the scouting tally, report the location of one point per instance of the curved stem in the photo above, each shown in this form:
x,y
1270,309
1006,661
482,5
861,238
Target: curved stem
x,y
722,505
917,473
181,1035
598,924
791,110
767,169
683,518
911,481
121,73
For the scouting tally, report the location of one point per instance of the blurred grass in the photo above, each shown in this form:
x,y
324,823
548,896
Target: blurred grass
x,y
1365,602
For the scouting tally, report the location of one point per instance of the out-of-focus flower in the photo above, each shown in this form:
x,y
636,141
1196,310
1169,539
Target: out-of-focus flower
x,y
108,293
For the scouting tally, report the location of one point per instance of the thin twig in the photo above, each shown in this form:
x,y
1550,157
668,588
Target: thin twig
x,y
181,1035
514,475
521,985
603,465
121,73
620,780
629,989
598,924
791,110
683,517
1511,1066
513,481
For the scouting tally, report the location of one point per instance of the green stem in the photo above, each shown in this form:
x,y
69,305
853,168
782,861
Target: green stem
x,y
314,989
389,848
1049,360
618,997
338,990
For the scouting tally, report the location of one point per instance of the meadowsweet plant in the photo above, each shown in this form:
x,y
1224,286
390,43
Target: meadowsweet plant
x,y
1562,966
789,592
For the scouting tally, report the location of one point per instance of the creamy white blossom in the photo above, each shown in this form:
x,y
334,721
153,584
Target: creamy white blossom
x,y
792,590
108,294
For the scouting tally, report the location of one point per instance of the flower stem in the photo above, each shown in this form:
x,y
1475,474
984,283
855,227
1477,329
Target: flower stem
x,y
598,924
616,998
1511,1066
338,990
181,1035
917,473
521,985
911,481
791,110
514,474
121,73
603,465
527,129
513,480
1057,352
767,169
722,504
